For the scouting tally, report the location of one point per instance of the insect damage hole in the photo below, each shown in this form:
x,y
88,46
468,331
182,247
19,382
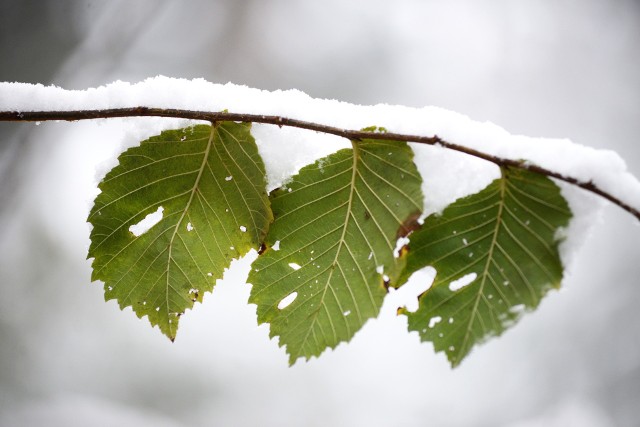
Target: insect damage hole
x,y
286,301
460,283
434,321
149,221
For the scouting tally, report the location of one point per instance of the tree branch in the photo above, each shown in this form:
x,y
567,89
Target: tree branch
x,y
34,116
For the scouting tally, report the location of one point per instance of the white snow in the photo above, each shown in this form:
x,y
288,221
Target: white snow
x,y
400,243
447,175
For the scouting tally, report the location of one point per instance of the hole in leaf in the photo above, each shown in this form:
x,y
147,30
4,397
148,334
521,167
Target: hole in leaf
x,y
149,221
460,283
276,246
189,226
434,320
409,294
294,266
286,301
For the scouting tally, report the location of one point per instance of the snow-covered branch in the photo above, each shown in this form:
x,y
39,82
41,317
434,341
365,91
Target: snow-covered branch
x,y
351,134
602,172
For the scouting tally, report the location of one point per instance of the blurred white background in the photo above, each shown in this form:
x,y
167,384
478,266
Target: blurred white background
x,y
566,68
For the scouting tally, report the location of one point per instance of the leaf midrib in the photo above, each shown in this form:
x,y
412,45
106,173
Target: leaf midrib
x,y
341,242
177,226
494,240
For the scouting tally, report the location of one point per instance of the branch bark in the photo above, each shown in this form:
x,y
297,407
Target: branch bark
x,y
36,116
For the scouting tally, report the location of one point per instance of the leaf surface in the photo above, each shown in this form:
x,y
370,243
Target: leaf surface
x,y
496,255
207,183
330,248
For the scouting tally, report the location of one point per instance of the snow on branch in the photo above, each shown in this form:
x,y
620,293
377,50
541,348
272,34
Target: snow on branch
x,y
601,172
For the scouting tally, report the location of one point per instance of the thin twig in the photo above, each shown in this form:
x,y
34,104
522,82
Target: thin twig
x,y
35,116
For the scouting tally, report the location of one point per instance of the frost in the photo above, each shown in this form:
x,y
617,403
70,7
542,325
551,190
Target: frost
x,y
460,283
286,301
149,221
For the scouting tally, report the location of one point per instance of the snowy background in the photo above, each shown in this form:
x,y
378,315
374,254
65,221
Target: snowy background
x,y
554,69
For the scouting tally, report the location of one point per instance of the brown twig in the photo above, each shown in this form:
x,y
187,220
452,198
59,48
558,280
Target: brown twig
x,y
35,116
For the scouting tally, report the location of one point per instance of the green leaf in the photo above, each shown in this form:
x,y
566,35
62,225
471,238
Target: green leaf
x,y
503,243
208,185
332,243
